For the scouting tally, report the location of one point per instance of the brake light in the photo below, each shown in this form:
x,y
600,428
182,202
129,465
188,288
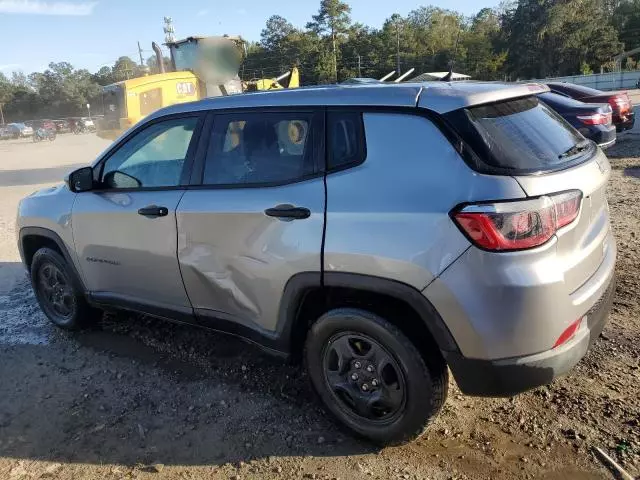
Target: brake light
x,y
506,226
620,103
596,119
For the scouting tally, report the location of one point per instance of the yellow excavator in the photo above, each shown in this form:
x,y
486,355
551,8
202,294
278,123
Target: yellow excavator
x,y
200,67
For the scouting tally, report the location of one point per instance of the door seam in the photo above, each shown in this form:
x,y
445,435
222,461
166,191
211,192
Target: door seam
x,y
175,219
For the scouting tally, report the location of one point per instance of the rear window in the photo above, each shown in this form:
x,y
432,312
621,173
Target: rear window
x,y
521,135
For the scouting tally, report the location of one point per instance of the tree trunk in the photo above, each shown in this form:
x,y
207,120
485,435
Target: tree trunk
x,y
335,55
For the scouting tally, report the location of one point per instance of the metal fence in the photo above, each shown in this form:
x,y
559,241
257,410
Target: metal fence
x,y
601,81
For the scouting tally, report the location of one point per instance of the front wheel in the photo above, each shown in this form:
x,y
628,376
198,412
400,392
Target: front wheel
x,y
372,378
58,291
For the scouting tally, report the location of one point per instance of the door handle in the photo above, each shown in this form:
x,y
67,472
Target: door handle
x,y
153,211
288,212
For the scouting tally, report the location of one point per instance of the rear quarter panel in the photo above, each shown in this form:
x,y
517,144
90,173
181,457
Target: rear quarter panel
x,y
389,217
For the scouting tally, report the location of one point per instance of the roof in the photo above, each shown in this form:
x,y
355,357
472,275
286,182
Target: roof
x,y
440,97
430,76
149,79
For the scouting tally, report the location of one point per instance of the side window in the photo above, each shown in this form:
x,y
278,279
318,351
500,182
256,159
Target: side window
x,y
258,148
154,157
346,139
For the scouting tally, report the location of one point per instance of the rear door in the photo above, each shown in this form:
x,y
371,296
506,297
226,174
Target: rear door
x,y
125,230
255,220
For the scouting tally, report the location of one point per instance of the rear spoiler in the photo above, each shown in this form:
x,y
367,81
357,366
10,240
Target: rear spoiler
x,y
445,97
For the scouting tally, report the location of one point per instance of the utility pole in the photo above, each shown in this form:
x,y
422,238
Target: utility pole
x,y
140,53
359,67
1,115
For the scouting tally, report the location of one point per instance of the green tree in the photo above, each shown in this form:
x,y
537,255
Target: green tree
x,y
484,57
124,68
276,33
626,20
332,21
104,76
6,95
152,64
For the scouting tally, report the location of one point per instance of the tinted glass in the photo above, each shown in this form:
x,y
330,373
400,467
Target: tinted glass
x,y
346,139
153,158
523,134
258,148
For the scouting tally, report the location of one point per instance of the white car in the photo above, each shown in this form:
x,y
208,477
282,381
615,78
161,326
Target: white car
x,y
19,130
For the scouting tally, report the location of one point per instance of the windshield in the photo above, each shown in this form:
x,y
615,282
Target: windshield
x,y
521,135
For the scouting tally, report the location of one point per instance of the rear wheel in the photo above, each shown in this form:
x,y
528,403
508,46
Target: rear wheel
x,y
58,291
372,378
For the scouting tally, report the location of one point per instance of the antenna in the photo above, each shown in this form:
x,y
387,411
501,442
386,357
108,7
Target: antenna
x,y
169,32
449,76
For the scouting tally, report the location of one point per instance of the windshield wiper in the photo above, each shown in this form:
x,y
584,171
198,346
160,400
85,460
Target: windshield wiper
x,y
576,149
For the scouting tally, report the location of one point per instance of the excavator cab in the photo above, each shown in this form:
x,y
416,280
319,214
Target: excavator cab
x,y
214,60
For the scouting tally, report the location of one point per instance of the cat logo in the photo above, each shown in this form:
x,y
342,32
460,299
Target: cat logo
x,y
185,88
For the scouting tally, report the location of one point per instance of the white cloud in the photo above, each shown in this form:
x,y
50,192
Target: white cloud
x,y
202,13
9,66
39,7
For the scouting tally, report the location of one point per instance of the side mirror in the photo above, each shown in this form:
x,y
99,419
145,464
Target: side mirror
x,y
80,180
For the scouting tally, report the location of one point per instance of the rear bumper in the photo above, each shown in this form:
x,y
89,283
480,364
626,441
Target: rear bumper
x,y
603,135
625,123
507,377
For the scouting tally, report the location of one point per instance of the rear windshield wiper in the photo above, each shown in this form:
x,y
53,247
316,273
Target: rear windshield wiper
x,y
576,149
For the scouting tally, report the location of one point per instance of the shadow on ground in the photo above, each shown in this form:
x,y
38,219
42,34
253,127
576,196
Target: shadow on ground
x,y
632,171
138,390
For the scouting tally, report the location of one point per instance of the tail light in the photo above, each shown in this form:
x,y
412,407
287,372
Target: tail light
x,y
507,226
620,103
596,119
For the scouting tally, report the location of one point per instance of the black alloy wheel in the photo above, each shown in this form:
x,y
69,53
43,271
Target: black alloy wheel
x,y
57,293
365,378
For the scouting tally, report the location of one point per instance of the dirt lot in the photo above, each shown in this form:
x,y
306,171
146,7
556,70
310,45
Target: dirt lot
x,y
139,398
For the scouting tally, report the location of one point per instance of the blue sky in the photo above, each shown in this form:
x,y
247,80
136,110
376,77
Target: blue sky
x,y
91,33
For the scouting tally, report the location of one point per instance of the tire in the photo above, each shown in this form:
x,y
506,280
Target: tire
x,y
421,382
59,292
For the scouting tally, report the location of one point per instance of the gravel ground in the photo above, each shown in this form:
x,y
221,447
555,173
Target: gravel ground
x,y
140,398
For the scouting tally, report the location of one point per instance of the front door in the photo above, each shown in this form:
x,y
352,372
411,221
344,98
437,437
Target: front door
x,y
257,219
125,230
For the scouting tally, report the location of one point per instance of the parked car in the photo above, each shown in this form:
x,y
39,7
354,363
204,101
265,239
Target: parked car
x,y
62,126
46,124
623,115
82,125
5,133
20,130
593,120
381,233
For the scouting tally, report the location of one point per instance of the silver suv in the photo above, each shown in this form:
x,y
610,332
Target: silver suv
x,y
384,234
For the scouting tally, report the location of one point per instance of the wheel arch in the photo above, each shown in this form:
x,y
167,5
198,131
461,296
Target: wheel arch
x,y
308,295
31,239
